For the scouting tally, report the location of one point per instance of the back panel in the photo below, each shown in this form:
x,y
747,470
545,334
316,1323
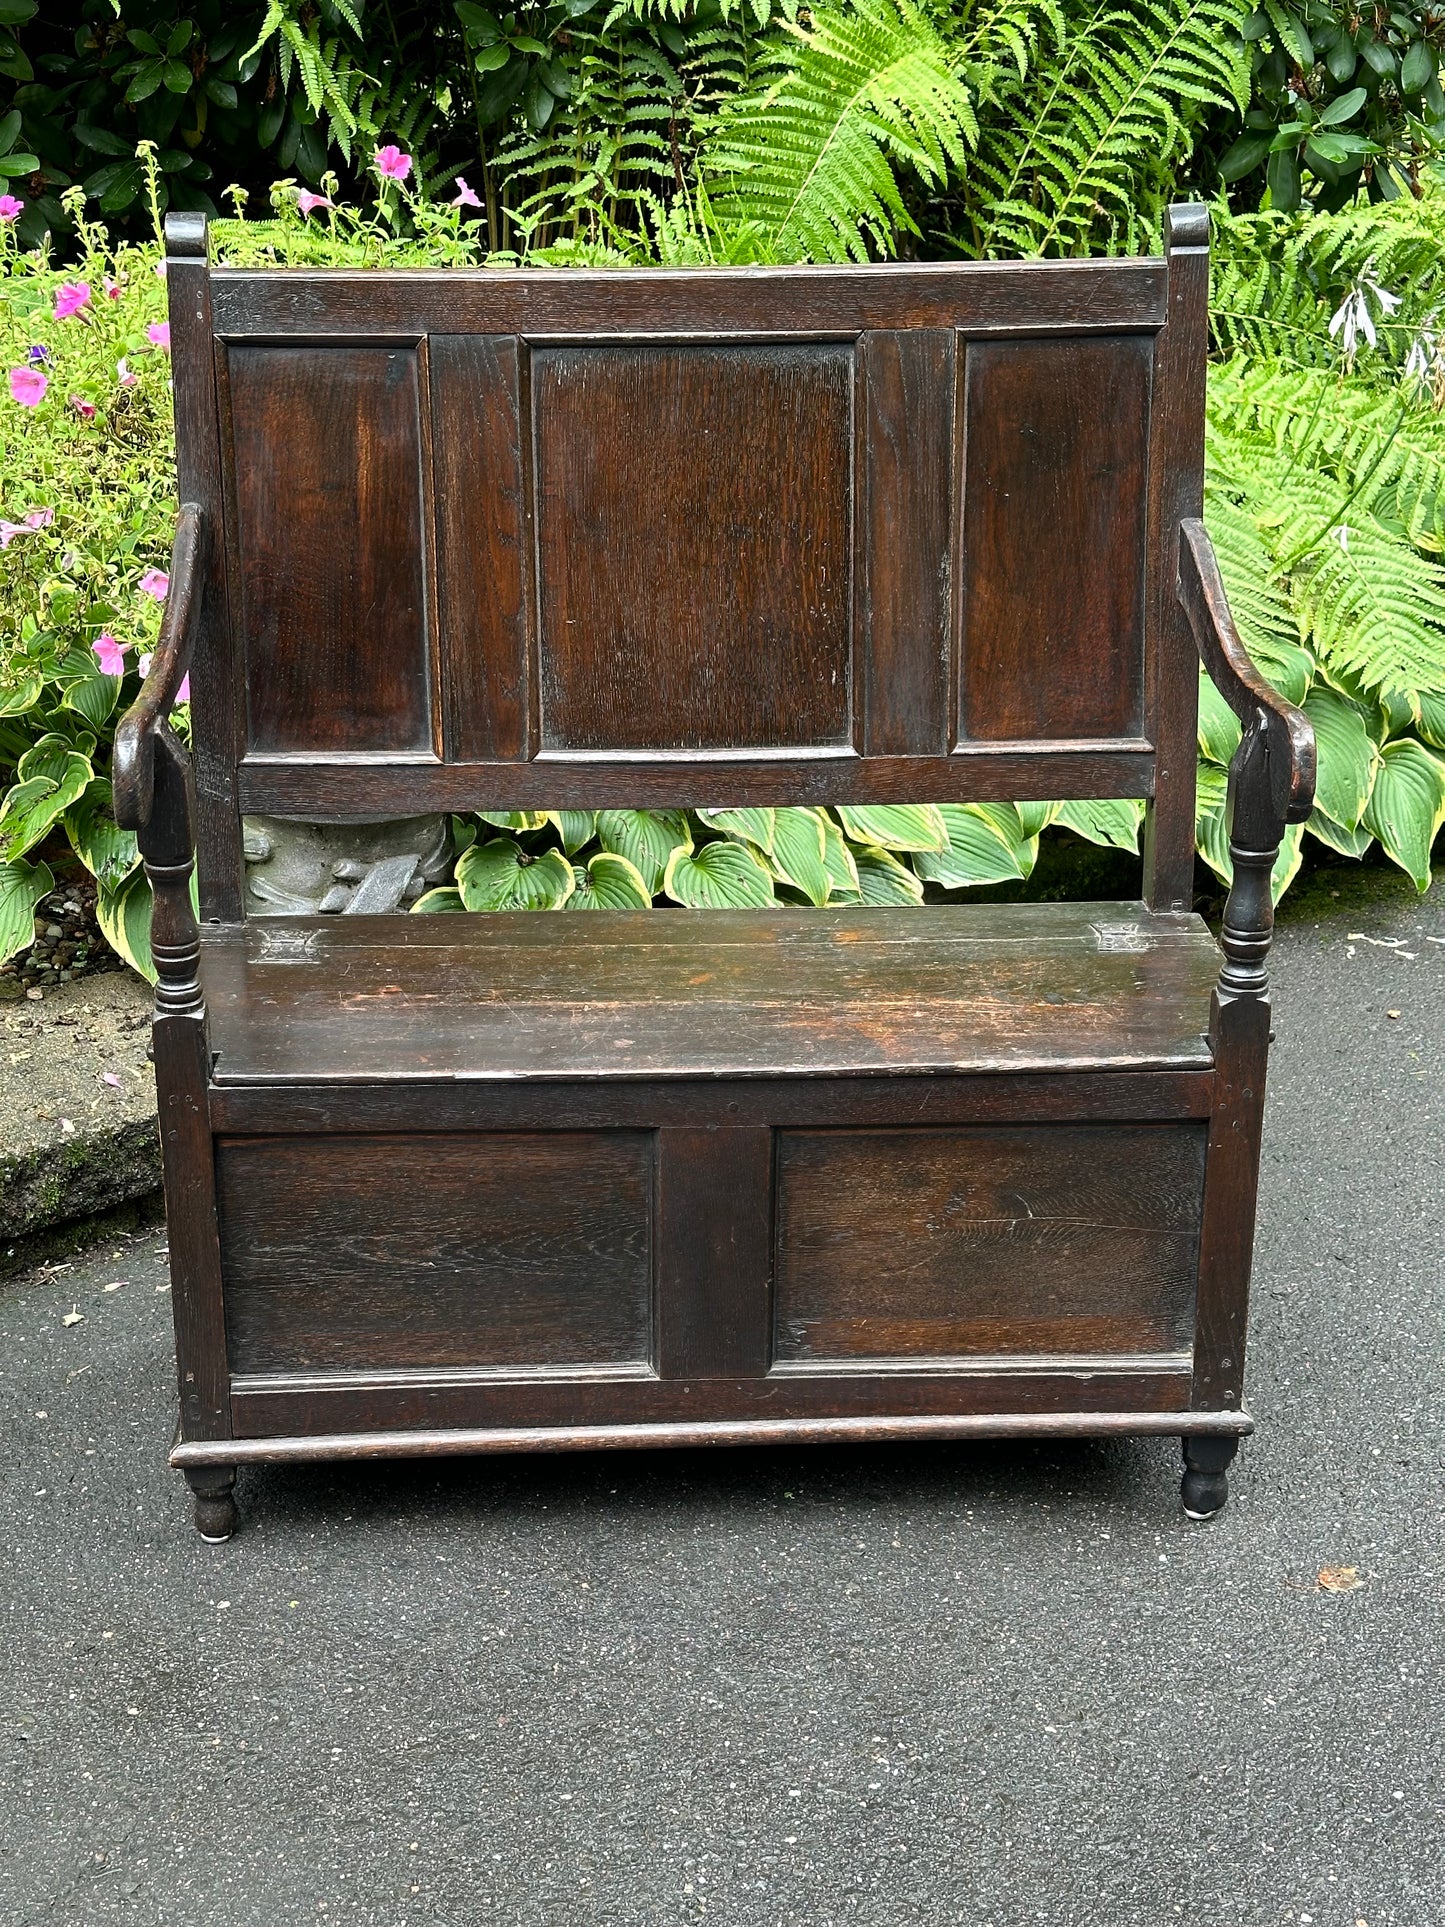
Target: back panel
x,y
554,538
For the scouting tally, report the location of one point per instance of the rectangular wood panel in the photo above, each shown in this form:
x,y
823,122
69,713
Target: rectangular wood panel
x,y
326,447
714,1252
506,1249
1056,439
1068,1239
483,575
908,382
694,519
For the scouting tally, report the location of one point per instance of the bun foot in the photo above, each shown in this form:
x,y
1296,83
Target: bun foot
x,y
215,1506
1205,1487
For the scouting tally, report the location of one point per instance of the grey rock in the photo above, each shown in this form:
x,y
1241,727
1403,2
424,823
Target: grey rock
x,y
336,899
381,889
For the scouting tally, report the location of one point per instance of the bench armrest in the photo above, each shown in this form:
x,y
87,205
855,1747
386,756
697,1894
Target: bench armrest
x,y
1284,748
1272,776
142,731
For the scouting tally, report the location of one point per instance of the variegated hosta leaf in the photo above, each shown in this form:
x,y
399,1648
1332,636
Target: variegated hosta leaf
x,y
1407,806
575,827
647,838
986,844
1213,844
752,826
719,876
799,854
882,879
1431,706
519,820
1037,816
1348,842
106,850
22,885
92,695
124,916
1112,821
1346,765
839,863
1219,730
45,791
609,882
19,697
894,826
500,876
446,899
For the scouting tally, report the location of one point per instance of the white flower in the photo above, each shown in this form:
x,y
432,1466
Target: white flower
x,y
1342,536
1351,320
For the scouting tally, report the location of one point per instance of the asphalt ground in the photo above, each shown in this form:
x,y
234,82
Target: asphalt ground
x,y
970,1685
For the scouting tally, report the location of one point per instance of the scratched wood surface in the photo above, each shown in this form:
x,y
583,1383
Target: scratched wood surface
x,y
683,993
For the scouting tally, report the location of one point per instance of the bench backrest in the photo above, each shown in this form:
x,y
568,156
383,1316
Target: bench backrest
x,y
562,538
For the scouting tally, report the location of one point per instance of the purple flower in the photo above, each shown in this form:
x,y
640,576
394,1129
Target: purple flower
x,y
392,164
159,333
39,518
111,288
309,202
38,352
27,386
10,208
465,196
155,583
70,298
110,654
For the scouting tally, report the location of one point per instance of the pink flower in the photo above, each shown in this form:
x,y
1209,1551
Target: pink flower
x,y
160,269
155,583
183,694
143,664
85,409
465,196
10,208
126,377
112,288
28,386
8,532
70,298
39,518
159,332
110,654
392,163
309,202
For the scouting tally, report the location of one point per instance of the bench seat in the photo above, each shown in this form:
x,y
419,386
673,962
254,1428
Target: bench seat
x,y
739,993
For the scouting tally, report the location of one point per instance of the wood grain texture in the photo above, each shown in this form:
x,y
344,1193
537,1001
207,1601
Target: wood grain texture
x,y
321,787
1052,545
197,1295
326,463
693,539
908,391
792,993
1059,1238
483,542
386,1252
978,297
1240,1030
714,1252
1176,490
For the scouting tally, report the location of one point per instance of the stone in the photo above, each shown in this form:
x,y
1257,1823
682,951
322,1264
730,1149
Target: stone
x,y
307,858
336,899
383,886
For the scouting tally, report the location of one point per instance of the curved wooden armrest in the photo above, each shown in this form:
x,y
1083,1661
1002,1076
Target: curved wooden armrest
x,y
1279,739
140,730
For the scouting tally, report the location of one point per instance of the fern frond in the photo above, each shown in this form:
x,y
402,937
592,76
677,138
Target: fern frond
x,y
808,163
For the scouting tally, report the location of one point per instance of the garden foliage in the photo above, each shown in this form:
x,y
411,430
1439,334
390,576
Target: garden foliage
x,y
744,132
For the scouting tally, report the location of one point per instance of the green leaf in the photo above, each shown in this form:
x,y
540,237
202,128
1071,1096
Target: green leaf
x,y
986,844
14,13
719,876
124,916
609,883
22,885
1034,817
575,827
1347,842
895,826
1285,666
882,879
519,820
487,60
647,838
1419,67
36,801
1431,706
1346,756
92,696
753,826
800,852
1342,107
106,850
445,900
1282,179
500,876
1407,806
1244,156
1219,730
21,696
1112,821
838,861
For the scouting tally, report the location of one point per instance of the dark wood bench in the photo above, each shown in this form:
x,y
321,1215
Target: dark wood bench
x,y
525,540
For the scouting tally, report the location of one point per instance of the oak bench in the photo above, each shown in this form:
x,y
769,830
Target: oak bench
x,y
516,539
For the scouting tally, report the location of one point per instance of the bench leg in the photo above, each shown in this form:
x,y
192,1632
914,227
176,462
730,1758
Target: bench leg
x,y
212,1486
1205,1488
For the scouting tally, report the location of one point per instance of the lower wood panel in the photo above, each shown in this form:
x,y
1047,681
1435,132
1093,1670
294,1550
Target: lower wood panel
x,y
1061,1238
519,1249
